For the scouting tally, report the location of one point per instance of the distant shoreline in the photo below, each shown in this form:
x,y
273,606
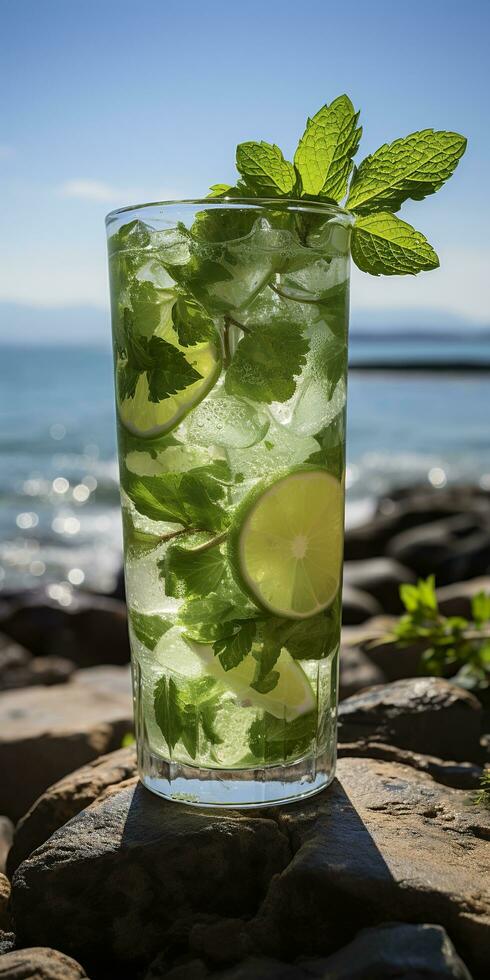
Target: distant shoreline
x,y
423,367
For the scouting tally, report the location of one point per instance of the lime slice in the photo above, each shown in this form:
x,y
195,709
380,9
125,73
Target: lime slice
x,y
148,419
292,696
285,544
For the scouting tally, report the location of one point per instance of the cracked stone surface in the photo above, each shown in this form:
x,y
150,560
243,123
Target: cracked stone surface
x,y
133,874
39,964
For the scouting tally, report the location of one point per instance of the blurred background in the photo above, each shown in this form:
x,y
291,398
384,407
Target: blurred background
x,y
110,104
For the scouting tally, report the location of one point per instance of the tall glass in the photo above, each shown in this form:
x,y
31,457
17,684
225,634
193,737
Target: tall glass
x,y
230,347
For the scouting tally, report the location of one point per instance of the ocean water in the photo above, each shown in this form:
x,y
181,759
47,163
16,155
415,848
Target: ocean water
x,y
59,504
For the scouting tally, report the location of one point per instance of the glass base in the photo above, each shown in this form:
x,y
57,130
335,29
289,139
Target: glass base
x,y
235,788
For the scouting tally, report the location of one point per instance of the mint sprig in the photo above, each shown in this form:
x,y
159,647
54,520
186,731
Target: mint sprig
x,y
193,499
411,167
148,629
186,712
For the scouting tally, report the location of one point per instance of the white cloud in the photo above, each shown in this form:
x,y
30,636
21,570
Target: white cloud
x,y
86,189
461,287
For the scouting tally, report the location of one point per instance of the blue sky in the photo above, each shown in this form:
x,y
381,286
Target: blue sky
x,y
109,102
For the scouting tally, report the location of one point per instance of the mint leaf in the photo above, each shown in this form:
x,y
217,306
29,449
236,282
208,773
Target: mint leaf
x,y
170,371
480,608
266,362
215,617
191,321
265,677
411,167
183,710
272,739
310,639
218,190
264,169
134,234
384,245
191,498
145,307
148,629
190,573
324,155
231,649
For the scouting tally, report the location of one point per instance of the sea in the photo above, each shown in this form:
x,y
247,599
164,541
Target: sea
x,y
418,412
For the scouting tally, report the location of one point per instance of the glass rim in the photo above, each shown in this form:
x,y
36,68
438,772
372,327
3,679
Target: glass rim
x,y
257,203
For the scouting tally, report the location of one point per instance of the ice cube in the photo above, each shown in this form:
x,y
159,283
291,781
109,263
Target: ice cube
x,y
223,420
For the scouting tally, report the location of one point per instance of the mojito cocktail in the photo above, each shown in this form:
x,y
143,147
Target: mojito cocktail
x,y
230,346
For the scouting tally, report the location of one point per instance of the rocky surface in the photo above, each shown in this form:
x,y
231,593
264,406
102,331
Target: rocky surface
x,y
132,874
426,714
6,838
18,668
46,732
380,578
357,671
357,606
91,630
5,922
392,950
39,963
62,801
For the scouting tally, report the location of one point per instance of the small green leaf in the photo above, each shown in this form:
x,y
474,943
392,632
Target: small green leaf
x,y
480,607
192,323
231,649
411,167
324,155
190,573
215,617
384,245
170,371
145,306
264,168
183,710
191,498
148,629
265,677
266,363
218,190
273,740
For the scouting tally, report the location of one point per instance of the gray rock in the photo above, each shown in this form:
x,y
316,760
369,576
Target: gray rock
x,y
7,942
424,714
263,968
454,549
92,630
460,775
5,922
393,661
357,606
46,732
455,600
62,801
127,872
382,840
394,950
6,838
381,578
356,672
188,970
39,963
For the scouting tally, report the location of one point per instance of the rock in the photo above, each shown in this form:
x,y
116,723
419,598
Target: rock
x,y
92,630
383,839
7,942
455,600
263,968
393,661
46,732
61,802
356,672
380,578
357,606
453,549
133,869
460,775
188,970
424,714
6,838
4,903
39,963
392,950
